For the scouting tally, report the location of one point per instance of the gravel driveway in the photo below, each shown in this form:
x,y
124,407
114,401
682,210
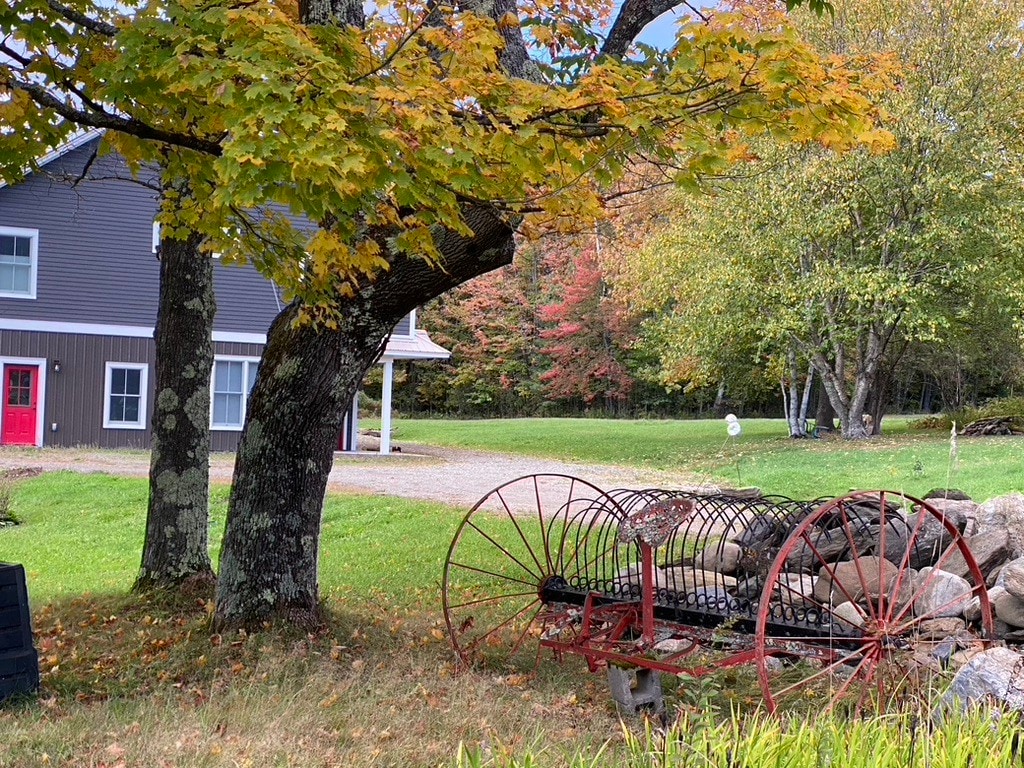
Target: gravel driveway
x,y
453,476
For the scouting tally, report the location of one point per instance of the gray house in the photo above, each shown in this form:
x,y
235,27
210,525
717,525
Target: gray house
x,y
79,283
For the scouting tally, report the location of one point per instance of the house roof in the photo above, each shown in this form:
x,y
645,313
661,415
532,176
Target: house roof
x,y
68,146
417,347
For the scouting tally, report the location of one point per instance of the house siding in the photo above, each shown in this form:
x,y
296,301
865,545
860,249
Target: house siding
x,y
96,263
73,399
97,291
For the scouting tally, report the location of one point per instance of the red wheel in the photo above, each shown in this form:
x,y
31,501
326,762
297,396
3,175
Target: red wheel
x,y
847,620
524,537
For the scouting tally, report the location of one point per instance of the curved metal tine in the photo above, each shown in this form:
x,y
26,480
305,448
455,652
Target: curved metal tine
x,y
512,517
584,533
495,574
566,512
494,629
584,543
492,599
561,517
856,561
501,548
540,518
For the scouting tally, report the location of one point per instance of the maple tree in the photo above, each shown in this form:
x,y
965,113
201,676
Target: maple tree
x,y
492,326
587,337
840,262
415,140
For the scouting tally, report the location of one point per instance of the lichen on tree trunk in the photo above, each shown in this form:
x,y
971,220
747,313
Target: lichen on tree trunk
x,y
175,551
308,376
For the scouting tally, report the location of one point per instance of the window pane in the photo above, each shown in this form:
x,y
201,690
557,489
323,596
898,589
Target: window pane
x,y
235,410
227,410
117,408
228,376
117,376
21,279
7,245
6,277
219,409
21,247
253,368
235,377
133,380
131,410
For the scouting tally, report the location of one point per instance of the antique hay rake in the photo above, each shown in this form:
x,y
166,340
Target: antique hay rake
x,y
845,602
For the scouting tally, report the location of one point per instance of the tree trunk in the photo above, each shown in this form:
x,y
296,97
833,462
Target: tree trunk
x,y
175,550
824,414
307,378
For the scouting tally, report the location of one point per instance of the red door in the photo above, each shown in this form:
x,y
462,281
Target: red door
x,y
20,402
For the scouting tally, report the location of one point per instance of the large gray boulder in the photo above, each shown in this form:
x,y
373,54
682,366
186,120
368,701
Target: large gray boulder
x,y
1008,512
723,557
1008,609
931,537
995,676
865,578
1011,578
990,548
963,512
940,594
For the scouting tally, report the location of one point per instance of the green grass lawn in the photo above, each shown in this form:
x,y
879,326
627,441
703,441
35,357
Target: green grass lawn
x,y
129,681
83,534
902,460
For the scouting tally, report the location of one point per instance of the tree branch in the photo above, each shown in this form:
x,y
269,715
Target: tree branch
x,y
93,25
633,16
132,126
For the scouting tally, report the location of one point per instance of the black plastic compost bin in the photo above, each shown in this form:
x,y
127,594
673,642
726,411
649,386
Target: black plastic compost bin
x,y
19,664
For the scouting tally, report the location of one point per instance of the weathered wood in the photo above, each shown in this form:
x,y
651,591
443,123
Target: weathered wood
x,y
996,425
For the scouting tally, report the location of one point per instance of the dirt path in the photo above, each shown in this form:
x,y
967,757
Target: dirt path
x,y
449,475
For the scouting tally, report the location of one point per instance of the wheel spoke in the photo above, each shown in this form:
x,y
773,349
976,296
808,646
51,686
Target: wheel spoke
x,y
490,599
512,517
496,575
502,549
499,560
820,673
476,641
857,562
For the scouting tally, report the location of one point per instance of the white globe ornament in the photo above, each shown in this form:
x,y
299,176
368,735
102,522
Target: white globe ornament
x,y
734,429
731,418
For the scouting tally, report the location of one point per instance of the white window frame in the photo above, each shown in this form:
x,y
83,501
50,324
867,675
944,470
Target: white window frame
x,y
249,361
33,253
143,395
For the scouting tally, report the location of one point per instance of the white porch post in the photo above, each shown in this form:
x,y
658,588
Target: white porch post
x,y
385,407
353,425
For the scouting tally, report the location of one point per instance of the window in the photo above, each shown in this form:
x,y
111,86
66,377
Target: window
x,y
18,256
232,382
124,404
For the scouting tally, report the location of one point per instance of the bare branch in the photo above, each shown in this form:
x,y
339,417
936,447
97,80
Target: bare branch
x,y
93,25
